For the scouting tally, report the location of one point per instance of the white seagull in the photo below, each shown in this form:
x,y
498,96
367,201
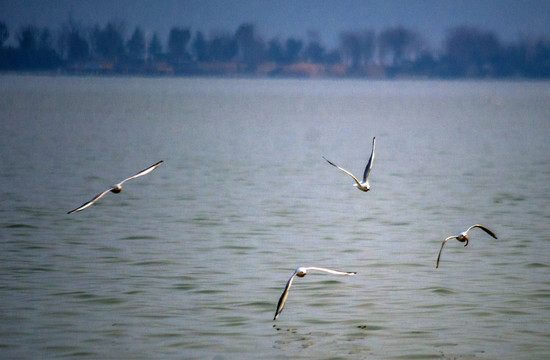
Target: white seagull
x,y
361,185
115,189
463,237
301,272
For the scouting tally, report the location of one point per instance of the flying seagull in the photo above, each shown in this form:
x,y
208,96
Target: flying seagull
x,y
463,237
301,272
361,185
115,189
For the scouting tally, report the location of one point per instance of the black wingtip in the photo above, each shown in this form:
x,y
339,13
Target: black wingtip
x,y
330,162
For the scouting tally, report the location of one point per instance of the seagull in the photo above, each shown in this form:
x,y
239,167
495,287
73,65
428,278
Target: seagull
x,y
301,272
361,185
115,189
463,237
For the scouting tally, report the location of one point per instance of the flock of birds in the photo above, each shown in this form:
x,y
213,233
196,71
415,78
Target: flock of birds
x,y
362,185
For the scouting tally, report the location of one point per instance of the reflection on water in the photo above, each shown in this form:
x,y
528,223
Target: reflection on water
x,y
189,262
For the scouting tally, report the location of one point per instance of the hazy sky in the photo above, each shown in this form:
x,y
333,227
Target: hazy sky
x,y
284,18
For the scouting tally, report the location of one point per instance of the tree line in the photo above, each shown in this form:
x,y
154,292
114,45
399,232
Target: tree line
x,y
395,51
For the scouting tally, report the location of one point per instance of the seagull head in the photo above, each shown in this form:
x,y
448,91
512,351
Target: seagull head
x,y
363,187
463,237
301,272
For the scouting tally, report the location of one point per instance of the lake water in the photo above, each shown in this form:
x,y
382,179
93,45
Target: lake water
x,y
189,261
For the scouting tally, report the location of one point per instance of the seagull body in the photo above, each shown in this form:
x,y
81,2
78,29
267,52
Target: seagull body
x,y
115,189
364,184
463,237
301,272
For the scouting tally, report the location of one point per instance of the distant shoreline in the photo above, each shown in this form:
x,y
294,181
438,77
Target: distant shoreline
x,y
396,52
53,73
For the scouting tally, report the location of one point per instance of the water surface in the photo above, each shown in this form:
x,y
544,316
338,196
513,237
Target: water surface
x,y
189,261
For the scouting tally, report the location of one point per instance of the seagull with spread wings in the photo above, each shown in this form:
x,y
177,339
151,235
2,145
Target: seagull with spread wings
x,y
364,184
115,189
301,272
463,237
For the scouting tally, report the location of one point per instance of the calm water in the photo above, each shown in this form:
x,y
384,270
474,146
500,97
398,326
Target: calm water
x,y
189,262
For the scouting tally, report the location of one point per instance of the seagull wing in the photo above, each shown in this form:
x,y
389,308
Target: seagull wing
x,y
342,169
142,172
369,164
482,228
440,250
335,272
91,202
284,296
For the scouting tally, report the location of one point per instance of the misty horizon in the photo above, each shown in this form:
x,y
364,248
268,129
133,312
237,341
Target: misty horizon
x,y
430,18
396,51
429,38
260,33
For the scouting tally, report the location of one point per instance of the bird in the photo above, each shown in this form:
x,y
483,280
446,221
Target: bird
x,y
115,189
463,237
364,184
301,272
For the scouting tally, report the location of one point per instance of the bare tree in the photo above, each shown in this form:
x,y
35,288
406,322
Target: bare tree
x,y
292,50
350,48
222,47
398,44
367,43
136,44
4,33
45,40
35,49
108,42
250,49
28,38
177,44
357,47
471,51
200,47
155,47
72,42
275,51
314,52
